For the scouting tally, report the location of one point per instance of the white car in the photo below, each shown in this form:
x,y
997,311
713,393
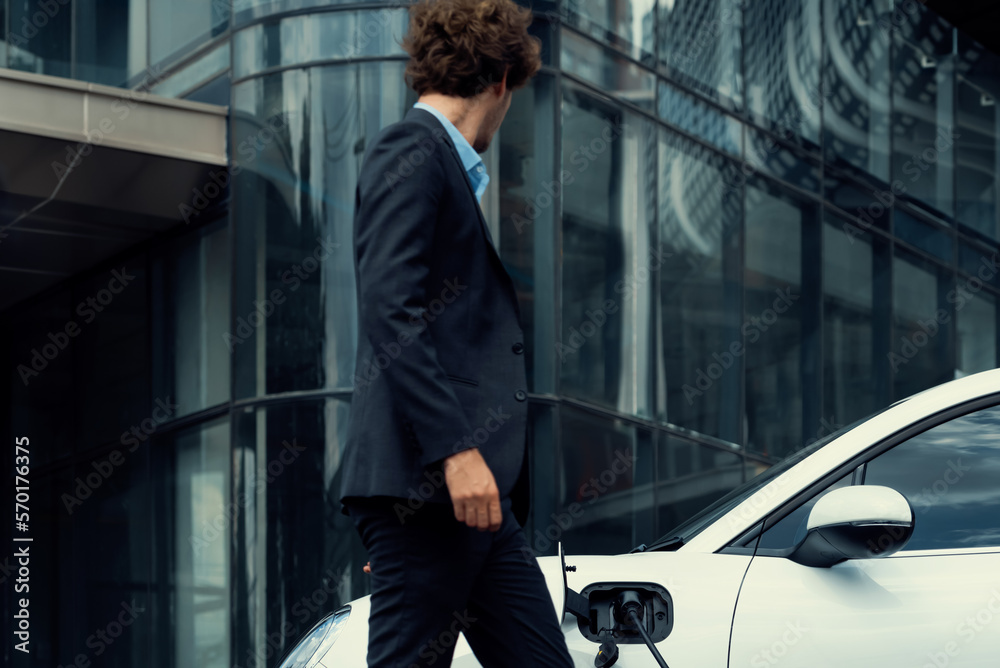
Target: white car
x,y
877,546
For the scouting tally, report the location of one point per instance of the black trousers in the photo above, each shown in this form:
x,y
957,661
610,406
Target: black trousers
x,y
433,578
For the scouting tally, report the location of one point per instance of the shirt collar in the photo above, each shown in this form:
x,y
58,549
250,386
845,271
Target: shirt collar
x,y
471,160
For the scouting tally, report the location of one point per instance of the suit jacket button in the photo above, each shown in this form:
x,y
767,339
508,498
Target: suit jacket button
x,y
520,395
518,348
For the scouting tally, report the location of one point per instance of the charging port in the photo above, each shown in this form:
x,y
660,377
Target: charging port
x,y
608,603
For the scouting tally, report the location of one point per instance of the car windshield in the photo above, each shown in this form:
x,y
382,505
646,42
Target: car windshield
x,y
692,527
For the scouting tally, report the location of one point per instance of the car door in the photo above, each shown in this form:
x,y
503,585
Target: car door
x,y
933,604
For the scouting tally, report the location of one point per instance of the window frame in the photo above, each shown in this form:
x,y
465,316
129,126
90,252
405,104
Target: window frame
x,y
748,542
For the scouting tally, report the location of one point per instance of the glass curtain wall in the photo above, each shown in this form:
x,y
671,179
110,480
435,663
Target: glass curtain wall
x,y
124,43
118,480
733,227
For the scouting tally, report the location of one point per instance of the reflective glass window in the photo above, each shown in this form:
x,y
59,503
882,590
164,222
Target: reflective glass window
x,y
191,287
608,257
778,331
178,26
247,10
110,40
40,41
855,290
700,287
700,119
767,156
6,31
207,67
856,84
949,475
298,140
601,67
215,91
194,513
923,123
980,261
530,187
699,44
872,205
691,476
976,328
629,22
791,529
977,84
296,40
599,461
782,66
920,355
306,555
929,237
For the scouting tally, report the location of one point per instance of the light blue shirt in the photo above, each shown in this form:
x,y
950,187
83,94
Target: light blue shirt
x,y
473,164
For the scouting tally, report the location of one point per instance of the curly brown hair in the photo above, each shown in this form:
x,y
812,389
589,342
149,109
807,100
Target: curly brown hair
x,y
459,47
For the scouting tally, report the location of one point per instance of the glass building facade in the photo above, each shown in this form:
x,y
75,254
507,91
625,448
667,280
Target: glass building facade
x,y
733,228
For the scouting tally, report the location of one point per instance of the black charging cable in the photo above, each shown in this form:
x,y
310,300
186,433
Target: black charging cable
x,y
629,607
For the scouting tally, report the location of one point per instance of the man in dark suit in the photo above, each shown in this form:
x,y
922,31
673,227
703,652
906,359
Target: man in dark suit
x,y
434,466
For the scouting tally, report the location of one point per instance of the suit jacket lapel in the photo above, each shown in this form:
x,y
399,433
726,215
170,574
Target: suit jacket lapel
x,y
428,118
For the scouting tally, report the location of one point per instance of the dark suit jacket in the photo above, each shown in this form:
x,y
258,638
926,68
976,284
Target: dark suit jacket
x,y
440,359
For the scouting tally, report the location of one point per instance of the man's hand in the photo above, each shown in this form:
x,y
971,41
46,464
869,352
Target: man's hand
x,y
473,490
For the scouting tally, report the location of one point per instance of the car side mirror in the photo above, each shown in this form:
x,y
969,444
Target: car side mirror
x,y
858,522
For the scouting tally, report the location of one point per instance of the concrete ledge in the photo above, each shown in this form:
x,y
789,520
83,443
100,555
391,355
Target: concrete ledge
x,y
80,112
